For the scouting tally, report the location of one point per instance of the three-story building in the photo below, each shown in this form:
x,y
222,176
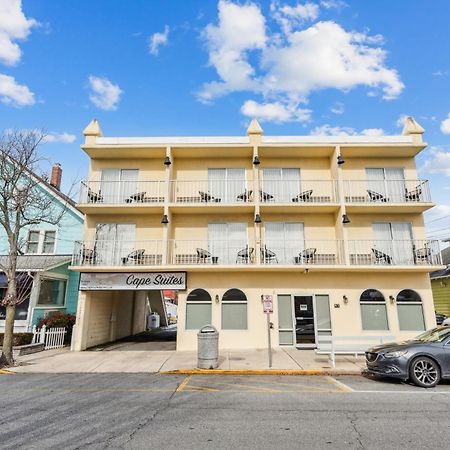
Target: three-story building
x,y
330,227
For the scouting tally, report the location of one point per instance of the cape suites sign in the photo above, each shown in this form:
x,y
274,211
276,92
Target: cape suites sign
x,y
137,281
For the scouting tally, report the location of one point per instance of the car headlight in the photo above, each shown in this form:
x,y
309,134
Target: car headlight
x,y
396,354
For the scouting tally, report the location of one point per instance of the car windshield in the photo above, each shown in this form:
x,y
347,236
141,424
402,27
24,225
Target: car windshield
x,y
434,335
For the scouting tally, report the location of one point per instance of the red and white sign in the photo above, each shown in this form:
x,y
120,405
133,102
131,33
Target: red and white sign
x,y
267,301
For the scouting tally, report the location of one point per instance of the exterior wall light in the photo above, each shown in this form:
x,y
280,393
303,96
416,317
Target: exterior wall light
x,y
345,218
345,298
165,219
256,160
217,298
392,299
167,161
257,218
340,160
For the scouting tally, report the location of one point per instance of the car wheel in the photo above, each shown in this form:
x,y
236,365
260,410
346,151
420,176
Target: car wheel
x,y
425,372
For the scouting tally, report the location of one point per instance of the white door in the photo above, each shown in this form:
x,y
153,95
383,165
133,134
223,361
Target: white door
x,y
283,184
225,240
117,185
395,240
114,241
389,182
226,184
285,239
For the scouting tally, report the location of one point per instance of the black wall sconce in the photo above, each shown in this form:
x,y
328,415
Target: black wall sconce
x,y
165,219
391,298
217,298
345,298
167,161
257,218
345,218
256,160
340,160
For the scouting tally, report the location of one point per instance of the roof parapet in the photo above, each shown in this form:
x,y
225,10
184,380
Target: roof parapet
x,y
413,129
254,132
92,131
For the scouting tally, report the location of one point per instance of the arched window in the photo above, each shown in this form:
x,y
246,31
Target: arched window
x,y
410,311
373,310
234,310
198,309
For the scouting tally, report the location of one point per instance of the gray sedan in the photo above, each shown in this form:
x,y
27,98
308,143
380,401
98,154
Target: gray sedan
x,y
425,360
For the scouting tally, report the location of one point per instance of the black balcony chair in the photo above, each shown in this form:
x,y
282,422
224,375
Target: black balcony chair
x,y
203,256
245,255
380,257
88,255
137,198
376,196
307,255
265,197
134,257
303,196
245,196
422,255
268,255
414,195
207,197
94,197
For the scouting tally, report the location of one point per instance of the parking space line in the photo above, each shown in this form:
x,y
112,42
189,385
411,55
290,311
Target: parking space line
x,y
420,392
183,384
341,386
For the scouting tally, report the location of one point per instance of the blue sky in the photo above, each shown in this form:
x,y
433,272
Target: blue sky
x,y
201,67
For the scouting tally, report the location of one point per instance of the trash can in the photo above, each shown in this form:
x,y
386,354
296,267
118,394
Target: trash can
x,y
208,348
153,321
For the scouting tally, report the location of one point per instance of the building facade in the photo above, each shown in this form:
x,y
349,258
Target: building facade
x,y
440,284
43,271
328,229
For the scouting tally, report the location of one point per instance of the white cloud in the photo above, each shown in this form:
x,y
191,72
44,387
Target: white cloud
x,y
329,130
438,162
13,26
401,120
333,4
289,17
275,112
445,125
286,68
337,108
158,40
63,138
105,95
13,93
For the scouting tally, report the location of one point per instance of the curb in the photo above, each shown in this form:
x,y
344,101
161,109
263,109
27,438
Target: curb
x,y
259,372
6,372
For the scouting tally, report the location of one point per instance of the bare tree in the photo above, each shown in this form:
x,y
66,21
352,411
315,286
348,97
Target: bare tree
x,y
24,203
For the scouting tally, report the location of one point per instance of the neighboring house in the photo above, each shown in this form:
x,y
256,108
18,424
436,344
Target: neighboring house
x,y
328,230
440,284
43,267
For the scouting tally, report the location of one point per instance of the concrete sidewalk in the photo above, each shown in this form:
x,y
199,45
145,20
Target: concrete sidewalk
x,y
137,358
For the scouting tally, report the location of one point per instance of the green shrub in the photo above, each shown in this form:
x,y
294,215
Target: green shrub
x,y
19,338
59,320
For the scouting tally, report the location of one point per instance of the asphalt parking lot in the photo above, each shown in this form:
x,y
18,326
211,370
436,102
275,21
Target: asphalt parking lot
x,y
139,411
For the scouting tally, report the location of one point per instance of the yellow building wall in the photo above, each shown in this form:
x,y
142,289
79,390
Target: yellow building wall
x,y
441,295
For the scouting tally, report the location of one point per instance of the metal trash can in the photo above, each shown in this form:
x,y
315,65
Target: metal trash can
x,y
208,347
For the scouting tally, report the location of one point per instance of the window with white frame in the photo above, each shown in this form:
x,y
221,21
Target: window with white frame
x,y
234,310
198,309
373,310
410,311
280,184
386,184
52,292
41,241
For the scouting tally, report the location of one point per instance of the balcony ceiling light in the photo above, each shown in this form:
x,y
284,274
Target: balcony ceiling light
x,y
165,219
345,218
167,161
257,218
256,160
340,160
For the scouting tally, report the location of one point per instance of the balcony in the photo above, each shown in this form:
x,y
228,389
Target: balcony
x,y
395,253
410,195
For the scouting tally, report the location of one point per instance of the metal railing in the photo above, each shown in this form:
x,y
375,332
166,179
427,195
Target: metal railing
x,y
121,192
386,191
298,191
302,252
226,252
395,252
211,191
118,253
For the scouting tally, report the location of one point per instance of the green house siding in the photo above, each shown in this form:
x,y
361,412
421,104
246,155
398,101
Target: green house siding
x,y
441,295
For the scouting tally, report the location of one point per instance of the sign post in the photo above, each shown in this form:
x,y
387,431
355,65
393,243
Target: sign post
x,y
267,301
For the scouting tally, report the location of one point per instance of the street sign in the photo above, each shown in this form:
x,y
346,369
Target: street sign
x,y
267,304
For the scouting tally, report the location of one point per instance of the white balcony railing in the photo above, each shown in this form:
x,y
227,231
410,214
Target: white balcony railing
x,y
118,253
302,252
296,191
387,191
210,191
396,253
210,252
121,192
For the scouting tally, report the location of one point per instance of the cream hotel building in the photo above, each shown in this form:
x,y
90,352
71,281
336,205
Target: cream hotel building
x,y
331,227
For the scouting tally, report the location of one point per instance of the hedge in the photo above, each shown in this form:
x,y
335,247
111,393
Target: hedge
x,y
19,338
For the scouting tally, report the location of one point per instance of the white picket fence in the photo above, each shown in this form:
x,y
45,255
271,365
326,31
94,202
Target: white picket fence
x,y
51,337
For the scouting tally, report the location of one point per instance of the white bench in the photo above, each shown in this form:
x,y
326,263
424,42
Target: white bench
x,y
348,345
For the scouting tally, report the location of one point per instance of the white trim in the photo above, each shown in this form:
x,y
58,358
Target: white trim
x,y
54,276
40,247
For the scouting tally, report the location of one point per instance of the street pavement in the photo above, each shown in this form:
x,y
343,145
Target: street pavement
x,y
141,411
